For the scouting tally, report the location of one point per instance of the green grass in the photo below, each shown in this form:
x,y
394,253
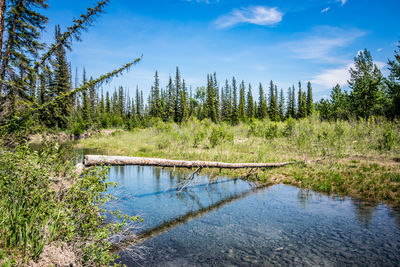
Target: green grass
x,y
360,159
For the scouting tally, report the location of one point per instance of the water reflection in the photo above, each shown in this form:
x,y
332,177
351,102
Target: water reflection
x,y
364,212
229,222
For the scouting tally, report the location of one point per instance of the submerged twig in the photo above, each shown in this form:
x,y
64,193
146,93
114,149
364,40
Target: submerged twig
x,y
189,180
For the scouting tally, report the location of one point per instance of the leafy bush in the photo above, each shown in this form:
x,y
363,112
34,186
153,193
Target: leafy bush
x,y
42,201
78,126
289,127
219,135
198,137
387,140
271,131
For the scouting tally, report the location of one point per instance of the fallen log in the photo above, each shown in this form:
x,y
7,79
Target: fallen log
x,y
92,160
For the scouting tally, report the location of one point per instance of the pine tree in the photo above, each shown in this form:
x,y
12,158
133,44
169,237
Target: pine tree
x,y
250,104
60,84
273,105
92,100
235,113
216,97
289,110
281,106
210,99
121,102
86,112
183,105
293,104
301,104
200,96
310,103
242,105
138,104
393,84
366,82
155,105
178,89
101,103
23,25
108,103
227,103
262,104
171,99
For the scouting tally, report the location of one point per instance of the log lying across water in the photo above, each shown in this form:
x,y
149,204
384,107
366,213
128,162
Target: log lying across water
x,y
92,160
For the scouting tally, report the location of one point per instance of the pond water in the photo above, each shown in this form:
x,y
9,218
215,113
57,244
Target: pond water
x,y
230,223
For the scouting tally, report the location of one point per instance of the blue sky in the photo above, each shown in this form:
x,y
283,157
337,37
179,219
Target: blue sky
x,y
256,41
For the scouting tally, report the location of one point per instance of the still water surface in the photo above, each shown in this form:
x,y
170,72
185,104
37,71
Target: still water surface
x,y
229,223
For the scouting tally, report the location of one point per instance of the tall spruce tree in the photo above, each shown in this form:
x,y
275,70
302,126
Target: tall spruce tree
x,y
262,104
171,99
23,24
210,99
183,105
61,85
281,106
366,82
310,103
242,103
216,96
273,105
228,105
155,105
178,89
250,104
301,103
393,84
235,112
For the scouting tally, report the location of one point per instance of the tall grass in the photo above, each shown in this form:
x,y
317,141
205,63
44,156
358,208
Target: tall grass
x,y
372,141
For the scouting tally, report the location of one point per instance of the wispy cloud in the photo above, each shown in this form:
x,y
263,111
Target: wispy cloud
x,y
330,77
342,1
258,15
204,1
379,49
322,43
325,9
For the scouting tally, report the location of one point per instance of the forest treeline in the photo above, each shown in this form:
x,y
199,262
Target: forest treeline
x,y
370,94
37,92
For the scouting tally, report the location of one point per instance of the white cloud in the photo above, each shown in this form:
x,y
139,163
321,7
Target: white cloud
x,y
204,1
330,77
325,9
258,15
342,2
322,43
379,49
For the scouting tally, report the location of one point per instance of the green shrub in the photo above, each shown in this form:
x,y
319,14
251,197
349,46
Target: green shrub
x,y
78,126
271,131
387,140
199,136
289,127
219,135
43,201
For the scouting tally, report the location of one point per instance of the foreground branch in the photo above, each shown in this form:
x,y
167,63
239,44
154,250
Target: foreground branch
x,y
92,160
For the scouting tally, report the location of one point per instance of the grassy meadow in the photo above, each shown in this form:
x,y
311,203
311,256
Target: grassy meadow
x,y
357,158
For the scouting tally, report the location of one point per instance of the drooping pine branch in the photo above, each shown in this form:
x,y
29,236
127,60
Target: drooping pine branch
x,y
106,78
74,31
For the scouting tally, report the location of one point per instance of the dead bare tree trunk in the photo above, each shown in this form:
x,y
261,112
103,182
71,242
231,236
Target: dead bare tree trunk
x,y
92,160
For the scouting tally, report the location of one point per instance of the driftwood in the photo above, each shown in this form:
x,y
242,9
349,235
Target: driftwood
x,y
92,160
